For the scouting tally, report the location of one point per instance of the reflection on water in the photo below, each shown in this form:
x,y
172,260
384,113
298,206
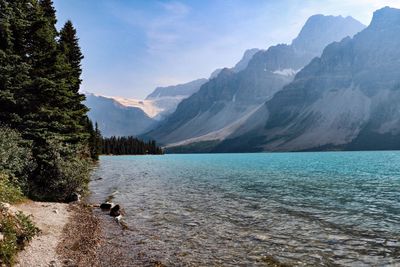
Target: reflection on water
x,y
336,208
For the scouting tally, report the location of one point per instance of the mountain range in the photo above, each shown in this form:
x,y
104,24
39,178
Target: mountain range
x,y
229,99
126,116
117,116
335,87
347,99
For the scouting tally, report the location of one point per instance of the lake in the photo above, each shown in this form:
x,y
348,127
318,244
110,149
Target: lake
x,y
316,208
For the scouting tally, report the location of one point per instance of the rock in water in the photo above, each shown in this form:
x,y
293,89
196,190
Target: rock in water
x,y
106,206
118,218
115,211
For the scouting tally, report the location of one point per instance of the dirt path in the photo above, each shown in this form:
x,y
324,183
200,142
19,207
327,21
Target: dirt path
x,y
51,219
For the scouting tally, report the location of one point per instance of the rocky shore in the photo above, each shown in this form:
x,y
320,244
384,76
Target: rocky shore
x,y
75,234
69,235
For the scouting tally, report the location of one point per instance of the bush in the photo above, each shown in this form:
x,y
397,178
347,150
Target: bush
x,y
16,160
63,170
10,192
17,230
49,170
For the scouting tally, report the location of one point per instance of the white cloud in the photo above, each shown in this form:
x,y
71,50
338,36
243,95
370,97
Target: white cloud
x,y
176,8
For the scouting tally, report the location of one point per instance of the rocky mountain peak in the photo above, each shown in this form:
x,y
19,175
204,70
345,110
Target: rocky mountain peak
x,y
386,17
320,30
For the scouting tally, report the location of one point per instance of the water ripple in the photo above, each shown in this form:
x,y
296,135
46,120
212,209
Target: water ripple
x,y
300,209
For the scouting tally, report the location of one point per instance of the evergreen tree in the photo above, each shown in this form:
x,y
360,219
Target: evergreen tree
x,y
69,48
14,72
128,146
39,94
49,12
43,114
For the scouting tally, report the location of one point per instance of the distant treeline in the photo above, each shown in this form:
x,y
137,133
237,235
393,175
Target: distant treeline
x,y
128,146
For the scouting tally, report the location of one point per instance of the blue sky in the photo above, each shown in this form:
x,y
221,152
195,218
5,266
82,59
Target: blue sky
x,y
132,46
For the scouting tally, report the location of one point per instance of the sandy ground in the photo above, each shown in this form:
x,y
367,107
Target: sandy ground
x,y
51,219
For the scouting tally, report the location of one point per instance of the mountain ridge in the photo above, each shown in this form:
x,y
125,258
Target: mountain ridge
x,y
346,99
231,96
158,105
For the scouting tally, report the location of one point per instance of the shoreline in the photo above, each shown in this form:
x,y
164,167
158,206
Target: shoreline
x,y
70,235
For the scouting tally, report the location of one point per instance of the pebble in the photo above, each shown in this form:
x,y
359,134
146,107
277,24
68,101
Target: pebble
x,y
192,224
118,218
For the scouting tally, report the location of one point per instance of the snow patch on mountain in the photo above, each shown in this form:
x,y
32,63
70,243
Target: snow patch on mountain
x,y
155,108
148,106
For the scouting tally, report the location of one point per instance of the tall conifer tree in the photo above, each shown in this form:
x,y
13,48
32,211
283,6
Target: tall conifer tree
x,y
69,47
39,95
14,71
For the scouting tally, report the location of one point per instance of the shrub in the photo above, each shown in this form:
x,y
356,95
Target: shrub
x,y
10,192
63,170
17,230
16,159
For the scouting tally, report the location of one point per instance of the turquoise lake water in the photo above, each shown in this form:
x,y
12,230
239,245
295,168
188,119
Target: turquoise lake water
x,y
302,209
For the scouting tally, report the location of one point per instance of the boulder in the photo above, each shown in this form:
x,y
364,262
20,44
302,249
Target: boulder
x,y
118,218
106,206
115,211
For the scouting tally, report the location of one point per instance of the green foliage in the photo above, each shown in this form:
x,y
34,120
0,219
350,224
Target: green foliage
x,y
10,192
64,170
128,146
17,229
69,48
50,146
29,230
16,158
95,140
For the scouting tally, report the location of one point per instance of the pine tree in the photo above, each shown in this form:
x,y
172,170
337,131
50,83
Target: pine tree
x,y
7,98
98,139
39,95
128,146
14,72
43,116
69,48
49,12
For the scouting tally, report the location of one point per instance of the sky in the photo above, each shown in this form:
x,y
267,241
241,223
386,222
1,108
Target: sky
x,y
133,46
